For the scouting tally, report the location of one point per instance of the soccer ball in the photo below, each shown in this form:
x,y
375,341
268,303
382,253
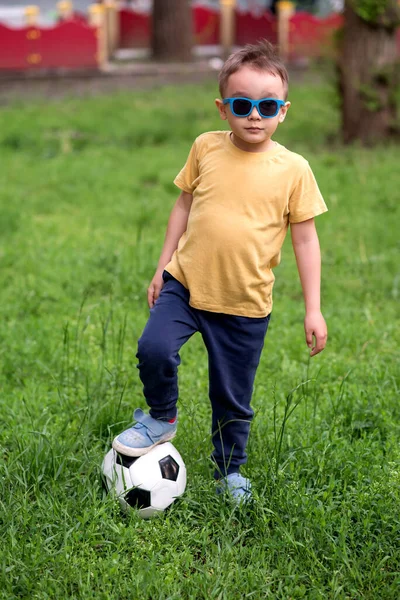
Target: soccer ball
x,y
150,482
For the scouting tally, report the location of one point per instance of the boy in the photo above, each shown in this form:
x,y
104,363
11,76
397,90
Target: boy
x,y
239,192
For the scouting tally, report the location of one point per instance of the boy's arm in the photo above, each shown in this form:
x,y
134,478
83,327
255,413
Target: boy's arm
x,y
177,225
308,257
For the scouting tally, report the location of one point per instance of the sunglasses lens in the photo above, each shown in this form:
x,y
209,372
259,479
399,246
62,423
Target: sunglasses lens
x,y
268,108
241,108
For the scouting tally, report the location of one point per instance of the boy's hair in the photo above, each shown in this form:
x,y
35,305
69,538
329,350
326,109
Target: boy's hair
x,y
262,57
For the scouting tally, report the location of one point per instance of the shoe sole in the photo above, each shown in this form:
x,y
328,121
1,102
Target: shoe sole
x,y
136,452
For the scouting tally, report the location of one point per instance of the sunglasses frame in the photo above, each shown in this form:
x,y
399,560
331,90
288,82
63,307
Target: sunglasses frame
x,y
254,103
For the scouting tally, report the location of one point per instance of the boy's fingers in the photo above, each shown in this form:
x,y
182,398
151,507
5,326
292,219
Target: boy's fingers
x,y
157,290
153,292
319,345
150,296
309,338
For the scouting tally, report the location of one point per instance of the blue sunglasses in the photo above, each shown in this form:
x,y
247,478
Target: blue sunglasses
x,y
242,107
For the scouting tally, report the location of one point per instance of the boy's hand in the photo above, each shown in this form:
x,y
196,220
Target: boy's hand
x,y
315,329
154,288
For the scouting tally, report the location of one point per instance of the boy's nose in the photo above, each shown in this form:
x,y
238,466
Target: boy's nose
x,y
254,114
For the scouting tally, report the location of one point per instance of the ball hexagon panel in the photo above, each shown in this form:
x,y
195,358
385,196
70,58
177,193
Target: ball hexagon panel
x,y
163,494
146,513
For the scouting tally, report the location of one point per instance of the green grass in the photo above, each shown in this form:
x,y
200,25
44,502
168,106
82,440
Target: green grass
x,y
86,188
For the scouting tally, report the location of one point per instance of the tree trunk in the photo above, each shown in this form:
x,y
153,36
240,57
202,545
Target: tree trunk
x,y
172,30
368,77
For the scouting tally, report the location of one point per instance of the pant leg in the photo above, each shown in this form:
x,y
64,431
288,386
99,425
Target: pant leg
x,y
171,323
234,347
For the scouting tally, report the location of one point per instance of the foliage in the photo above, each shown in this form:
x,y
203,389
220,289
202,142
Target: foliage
x,y
379,12
85,194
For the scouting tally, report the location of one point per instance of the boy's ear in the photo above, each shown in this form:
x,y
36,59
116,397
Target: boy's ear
x,y
284,110
221,108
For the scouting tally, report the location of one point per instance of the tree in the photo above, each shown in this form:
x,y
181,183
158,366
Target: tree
x,y
172,36
369,70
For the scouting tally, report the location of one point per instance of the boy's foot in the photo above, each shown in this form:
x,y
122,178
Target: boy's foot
x,y
144,434
238,488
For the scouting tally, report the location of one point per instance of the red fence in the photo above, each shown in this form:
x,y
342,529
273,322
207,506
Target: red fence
x,y
135,28
312,37
250,28
75,44
308,35
69,45
206,26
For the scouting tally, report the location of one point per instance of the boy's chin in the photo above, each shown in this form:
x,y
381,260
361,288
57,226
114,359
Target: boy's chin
x,y
252,137
252,142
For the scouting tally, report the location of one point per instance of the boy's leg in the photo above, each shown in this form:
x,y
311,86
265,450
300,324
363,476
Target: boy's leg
x,y
234,347
171,323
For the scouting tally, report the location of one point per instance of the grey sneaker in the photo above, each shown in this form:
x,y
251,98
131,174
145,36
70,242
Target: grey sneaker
x,y
236,486
144,435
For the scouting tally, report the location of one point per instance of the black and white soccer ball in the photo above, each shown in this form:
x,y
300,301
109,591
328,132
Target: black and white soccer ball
x,y
149,483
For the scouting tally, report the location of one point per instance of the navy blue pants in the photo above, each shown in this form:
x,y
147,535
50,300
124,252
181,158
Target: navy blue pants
x,y
234,346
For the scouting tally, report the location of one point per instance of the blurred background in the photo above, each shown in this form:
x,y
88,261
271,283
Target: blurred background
x,y
211,27
125,37
48,12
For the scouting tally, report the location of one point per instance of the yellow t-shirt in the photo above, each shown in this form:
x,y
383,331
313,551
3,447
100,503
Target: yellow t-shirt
x,y
242,205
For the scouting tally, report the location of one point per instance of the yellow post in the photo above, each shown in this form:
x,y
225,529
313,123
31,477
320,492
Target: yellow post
x,y
286,10
65,9
32,15
227,26
97,19
112,25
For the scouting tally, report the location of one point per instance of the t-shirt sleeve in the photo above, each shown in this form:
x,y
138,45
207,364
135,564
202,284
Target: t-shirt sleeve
x,y
186,179
306,200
